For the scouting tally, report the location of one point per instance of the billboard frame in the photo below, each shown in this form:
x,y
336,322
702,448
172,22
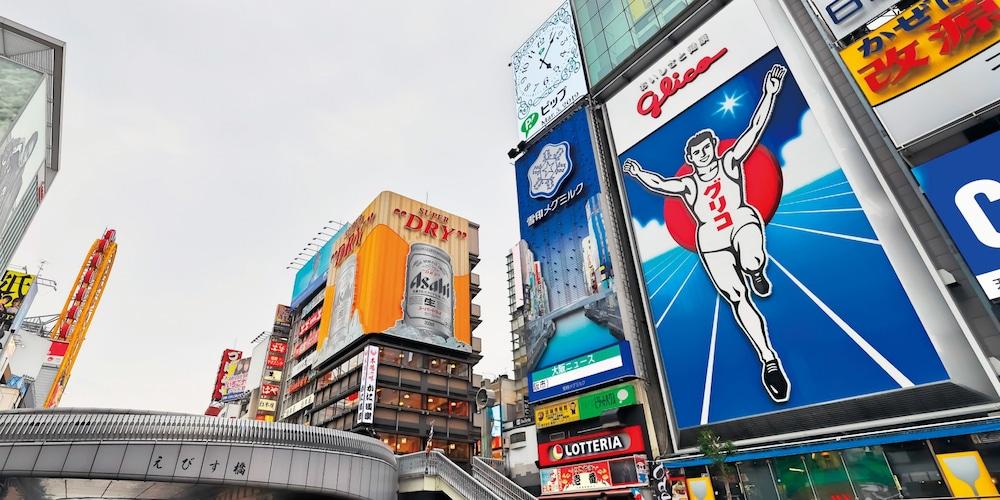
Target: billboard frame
x,y
850,149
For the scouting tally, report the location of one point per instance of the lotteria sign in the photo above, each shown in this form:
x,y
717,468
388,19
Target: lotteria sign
x,y
582,372
586,406
607,444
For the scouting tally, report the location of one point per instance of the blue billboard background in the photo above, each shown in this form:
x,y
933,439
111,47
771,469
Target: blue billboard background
x,y
943,178
313,273
569,299
837,315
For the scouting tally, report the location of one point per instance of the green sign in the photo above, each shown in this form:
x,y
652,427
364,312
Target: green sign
x,y
586,406
529,123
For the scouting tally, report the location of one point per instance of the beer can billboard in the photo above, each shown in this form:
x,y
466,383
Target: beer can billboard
x,y
770,262
401,268
571,308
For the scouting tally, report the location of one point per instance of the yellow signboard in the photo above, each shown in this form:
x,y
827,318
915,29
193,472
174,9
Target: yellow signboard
x,y
700,488
966,475
556,414
921,43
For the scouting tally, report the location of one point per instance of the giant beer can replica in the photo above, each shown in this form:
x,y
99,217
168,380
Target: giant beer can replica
x,y
430,299
343,302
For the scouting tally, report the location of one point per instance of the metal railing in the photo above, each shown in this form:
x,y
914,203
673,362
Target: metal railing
x,y
488,471
436,464
79,424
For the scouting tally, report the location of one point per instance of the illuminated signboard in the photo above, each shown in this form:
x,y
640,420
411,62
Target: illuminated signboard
x,y
589,405
366,394
932,64
581,372
604,444
595,476
965,193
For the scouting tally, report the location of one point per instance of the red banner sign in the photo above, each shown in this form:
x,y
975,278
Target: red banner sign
x,y
595,476
606,444
275,361
278,347
269,391
310,322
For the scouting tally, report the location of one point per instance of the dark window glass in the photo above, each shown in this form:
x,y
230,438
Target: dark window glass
x,y
829,476
870,473
792,479
915,469
437,404
758,484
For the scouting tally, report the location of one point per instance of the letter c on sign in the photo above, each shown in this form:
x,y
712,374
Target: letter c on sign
x,y
965,200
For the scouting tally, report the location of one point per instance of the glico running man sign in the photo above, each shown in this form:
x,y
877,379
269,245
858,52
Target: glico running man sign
x,y
757,253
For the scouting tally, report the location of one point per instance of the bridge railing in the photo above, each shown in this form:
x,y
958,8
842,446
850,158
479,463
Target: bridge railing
x,y
487,471
79,424
436,464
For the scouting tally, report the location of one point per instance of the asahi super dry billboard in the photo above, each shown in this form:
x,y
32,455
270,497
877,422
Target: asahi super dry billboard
x,y
401,268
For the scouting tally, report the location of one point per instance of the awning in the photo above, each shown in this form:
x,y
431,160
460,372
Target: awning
x,y
844,442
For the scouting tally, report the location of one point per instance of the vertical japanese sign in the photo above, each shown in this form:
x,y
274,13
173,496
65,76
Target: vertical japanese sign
x,y
366,394
963,186
932,64
227,368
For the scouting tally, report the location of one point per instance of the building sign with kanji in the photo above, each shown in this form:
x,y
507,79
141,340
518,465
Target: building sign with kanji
x,y
588,370
921,43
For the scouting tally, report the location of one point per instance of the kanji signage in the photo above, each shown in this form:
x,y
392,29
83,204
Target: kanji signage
x,y
941,48
586,406
585,371
369,375
596,476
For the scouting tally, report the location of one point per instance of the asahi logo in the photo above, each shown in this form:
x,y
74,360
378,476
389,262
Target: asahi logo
x,y
605,444
429,284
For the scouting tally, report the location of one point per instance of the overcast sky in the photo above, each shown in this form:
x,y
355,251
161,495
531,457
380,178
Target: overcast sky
x,y
219,137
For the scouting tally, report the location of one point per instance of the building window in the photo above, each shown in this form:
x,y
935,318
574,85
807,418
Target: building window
x,y
914,466
387,396
458,451
412,360
458,408
437,404
411,400
438,365
390,356
828,475
792,479
869,472
611,30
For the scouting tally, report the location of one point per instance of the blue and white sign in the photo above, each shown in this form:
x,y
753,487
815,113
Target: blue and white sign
x,y
768,285
551,167
564,260
581,372
963,186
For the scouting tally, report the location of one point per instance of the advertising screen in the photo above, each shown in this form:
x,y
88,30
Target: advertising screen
x,y
582,372
759,260
548,73
227,368
402,268
932,64
314,271
22,150
965,193
565,265
16,292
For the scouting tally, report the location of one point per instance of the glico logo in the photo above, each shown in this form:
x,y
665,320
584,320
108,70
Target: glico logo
x,y
652,104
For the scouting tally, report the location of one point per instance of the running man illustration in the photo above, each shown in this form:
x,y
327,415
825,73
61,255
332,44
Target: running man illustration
x,y
730,233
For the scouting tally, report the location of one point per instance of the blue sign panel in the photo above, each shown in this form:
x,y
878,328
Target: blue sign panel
x,y
313,273
581,373
963,186
767,285
565,264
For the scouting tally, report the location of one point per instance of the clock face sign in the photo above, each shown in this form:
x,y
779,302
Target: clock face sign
x,y
548,73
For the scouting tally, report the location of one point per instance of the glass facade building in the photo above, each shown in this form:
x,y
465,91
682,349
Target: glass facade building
x,y
612,30
924,468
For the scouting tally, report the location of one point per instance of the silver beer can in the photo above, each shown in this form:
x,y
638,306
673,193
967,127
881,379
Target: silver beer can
x,y
430,296
343,298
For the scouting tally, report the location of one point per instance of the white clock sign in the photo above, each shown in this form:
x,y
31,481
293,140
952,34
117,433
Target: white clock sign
x,y
548,73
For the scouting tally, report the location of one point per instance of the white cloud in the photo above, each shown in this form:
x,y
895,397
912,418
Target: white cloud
x,y
807,157
652,239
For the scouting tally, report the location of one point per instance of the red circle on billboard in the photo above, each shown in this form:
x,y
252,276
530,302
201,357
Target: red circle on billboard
x,y
763,187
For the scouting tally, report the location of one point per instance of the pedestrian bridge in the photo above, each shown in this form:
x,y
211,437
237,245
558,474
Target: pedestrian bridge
x,y
87,453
